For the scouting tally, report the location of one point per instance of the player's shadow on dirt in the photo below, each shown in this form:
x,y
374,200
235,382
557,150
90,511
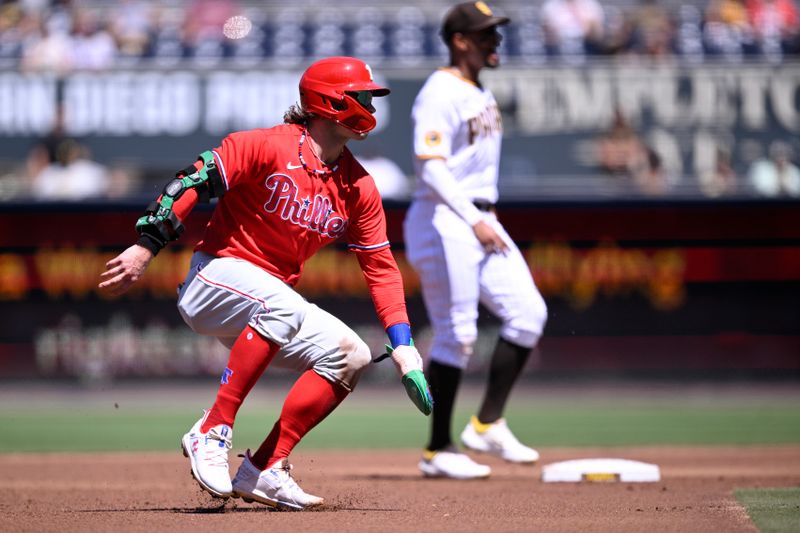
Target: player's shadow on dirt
x,y
226,509
423,479
186,510
223,509
385,477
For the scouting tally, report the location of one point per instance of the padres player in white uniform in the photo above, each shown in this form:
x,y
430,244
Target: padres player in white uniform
x,y
461,252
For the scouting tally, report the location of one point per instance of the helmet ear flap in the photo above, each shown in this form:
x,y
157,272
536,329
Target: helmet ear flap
x,y
338,105
321,103
324,90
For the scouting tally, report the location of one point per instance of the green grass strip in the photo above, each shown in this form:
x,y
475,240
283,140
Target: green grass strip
x,y
772,510
401,426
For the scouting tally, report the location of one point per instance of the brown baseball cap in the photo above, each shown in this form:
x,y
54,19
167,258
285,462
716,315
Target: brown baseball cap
x,y
469,16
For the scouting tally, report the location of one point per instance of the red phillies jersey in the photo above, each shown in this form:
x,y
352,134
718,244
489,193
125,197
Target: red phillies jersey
x,y
276,215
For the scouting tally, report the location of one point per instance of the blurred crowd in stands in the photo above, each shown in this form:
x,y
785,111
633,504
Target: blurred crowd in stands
x,y
64,36
60,167
60,35
623,154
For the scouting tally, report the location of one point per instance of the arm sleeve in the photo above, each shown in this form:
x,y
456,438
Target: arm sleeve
x,y
366,236
437,176
436,122
385,285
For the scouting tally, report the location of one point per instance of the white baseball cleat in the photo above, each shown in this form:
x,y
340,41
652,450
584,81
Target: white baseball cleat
x,y
274,486
497,439
208,454
452,464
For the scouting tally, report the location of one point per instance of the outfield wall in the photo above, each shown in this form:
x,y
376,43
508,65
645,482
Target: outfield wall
x,y
680,287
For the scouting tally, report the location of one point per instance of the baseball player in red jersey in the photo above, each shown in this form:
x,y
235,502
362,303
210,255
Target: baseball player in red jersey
x,y
284,192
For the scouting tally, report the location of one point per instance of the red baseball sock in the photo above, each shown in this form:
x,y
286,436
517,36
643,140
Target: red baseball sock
x,y
249,357
311,399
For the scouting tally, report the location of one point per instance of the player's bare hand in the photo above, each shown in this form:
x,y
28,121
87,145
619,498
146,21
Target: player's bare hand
x,y
124,270
490,240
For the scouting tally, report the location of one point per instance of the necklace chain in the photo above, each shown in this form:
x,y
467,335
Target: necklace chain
x,y
303,161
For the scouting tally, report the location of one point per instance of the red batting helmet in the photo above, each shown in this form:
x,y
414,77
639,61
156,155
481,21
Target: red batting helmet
x,y
341,89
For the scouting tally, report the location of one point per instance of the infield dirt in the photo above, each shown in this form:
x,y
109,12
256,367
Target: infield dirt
x,y
383,491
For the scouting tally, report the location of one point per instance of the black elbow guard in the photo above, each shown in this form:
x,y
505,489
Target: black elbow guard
x,y
207,181
160,225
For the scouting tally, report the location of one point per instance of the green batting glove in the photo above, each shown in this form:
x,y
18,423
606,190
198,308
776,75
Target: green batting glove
x,y
417,389
409,365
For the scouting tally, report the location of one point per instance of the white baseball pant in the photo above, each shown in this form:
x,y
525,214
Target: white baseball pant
x,y
222,295
456,274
